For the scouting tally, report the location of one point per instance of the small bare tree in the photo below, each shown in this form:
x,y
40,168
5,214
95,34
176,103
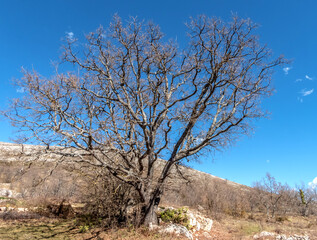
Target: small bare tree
x,y
308,198
136,98
270,194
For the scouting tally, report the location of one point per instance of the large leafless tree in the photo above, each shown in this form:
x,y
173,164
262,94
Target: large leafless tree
x,y
136,98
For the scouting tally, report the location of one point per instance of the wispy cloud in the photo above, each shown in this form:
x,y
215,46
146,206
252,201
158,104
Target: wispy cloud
x,y
70,36
286,70
305,92
300,99
20,90
313,184
308,77
298,80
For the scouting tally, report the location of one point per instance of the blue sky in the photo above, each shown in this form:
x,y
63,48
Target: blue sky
x,y
284,144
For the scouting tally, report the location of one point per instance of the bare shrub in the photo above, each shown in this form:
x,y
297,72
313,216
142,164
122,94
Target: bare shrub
x,y
108,198
34,181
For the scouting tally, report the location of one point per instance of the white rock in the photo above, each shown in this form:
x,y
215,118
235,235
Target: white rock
x,y
199,222
178,230
281,237
22,209
193,222
263,234
5,192
205,223
298,237
3,209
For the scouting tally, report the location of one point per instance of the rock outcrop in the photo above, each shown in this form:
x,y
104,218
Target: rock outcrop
x,y
274,236
194,223
176,229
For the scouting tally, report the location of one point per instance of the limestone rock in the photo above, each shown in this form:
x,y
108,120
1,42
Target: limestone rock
x,y
263,234
280,237
196,220
179,230
297,237
5,192
199,222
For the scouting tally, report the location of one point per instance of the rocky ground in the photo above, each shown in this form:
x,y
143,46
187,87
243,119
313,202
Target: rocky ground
x,y
22,223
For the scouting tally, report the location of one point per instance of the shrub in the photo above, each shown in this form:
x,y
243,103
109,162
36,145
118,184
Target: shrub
x,y
111,200
178,216
281,218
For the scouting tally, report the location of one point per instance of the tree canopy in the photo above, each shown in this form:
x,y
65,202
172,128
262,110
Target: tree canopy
x,y
136,97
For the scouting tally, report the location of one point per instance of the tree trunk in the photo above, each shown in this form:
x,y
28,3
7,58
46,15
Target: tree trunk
x,y
152,200
151,216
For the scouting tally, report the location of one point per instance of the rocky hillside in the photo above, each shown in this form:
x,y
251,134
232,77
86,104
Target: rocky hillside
x,y
16,158
237,210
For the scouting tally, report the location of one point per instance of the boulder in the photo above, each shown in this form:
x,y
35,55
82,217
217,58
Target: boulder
x,y
196,220
297,237
263,234
176,229
199,222
205,223
280,237
5,192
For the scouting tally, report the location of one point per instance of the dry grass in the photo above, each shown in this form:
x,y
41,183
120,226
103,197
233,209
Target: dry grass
x,y
67,229
228,228
37,229
243,228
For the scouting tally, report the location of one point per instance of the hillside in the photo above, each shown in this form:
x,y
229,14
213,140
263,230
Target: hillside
x,y
16,158
238,211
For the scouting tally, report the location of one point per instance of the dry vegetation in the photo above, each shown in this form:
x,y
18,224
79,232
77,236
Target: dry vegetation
x,y
134,99
239,211
67,229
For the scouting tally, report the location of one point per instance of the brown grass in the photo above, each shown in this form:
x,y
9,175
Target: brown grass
x,y
66,229
243,228
228,228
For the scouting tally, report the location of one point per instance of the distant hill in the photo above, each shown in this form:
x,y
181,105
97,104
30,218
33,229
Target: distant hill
x,y
20,170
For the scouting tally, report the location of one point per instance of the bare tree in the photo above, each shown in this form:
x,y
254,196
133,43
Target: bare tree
x,y
308,198
270,194
136,98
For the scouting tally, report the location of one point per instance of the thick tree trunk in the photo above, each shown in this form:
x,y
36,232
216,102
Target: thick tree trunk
x,y
151,216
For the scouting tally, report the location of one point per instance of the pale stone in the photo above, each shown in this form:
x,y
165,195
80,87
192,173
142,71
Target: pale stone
x,y
178,230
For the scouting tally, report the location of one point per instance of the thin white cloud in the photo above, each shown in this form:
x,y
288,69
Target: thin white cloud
x,y
305,92
308,77
20,90
298,80
70,36
286,70
313,184
198,140
300,99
